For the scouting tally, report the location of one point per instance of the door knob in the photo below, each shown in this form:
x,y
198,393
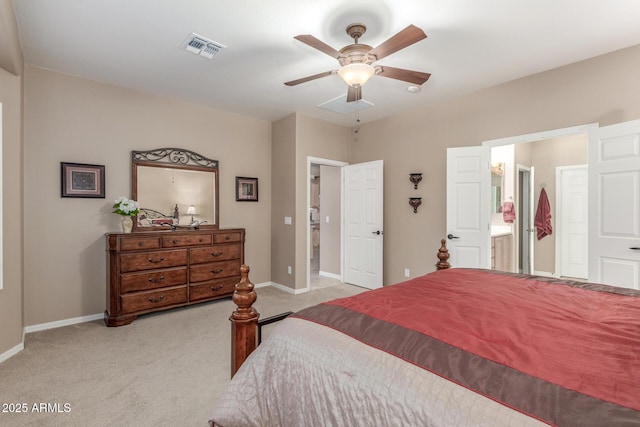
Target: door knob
x,y
451,236
378,232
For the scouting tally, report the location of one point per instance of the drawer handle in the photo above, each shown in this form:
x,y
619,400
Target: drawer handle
x,y
175,242
228,237
152,280
201,240
140,243
217,271
217,254
217,288
156,299
156,261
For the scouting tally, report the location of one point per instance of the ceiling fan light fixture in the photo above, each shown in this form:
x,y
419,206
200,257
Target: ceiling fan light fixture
x,y
356,74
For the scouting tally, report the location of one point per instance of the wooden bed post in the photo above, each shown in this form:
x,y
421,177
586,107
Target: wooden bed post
x,y
244,321
443,256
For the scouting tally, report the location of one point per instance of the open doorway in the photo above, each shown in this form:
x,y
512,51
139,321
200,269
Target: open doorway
x,y
612,163
324,223
525,225
517,237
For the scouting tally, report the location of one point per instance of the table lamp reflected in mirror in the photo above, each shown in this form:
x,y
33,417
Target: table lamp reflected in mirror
x,y
191,210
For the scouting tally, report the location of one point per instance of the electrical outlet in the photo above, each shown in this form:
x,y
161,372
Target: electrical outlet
x,y
288,269
407,273
287,221
326,220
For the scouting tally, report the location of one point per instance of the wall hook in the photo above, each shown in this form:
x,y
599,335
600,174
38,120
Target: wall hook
x,y
415,202
415,179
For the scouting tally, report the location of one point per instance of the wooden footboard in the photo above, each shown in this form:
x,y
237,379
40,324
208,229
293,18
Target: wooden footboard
x,y
443,256
244,319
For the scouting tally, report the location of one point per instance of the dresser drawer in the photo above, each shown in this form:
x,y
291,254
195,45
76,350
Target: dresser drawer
x,y
214,288
151,300
132,282
214,270
151,260
230,237
215,253
135,243
181,240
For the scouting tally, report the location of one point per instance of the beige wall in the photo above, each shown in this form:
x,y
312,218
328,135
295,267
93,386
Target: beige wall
x,y
546,156
10,52
601,89
314,138
283,167
11,312
75,120
295,138
11,86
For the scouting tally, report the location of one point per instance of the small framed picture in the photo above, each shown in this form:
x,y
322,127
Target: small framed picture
x,y
246,189
82,180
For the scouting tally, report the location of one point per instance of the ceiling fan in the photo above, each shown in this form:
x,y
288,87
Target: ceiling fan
x,y
356,59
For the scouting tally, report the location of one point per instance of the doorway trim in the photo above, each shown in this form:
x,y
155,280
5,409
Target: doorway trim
x,y
324,162
524,228
590,130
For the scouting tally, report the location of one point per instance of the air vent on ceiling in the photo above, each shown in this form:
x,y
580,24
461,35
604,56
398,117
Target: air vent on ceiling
x,y
201,46
341,106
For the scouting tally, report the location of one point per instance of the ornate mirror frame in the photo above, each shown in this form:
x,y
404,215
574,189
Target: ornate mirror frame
x,y
172,159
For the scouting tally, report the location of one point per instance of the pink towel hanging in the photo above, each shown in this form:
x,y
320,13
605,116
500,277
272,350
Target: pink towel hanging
x,y
543,216
508,212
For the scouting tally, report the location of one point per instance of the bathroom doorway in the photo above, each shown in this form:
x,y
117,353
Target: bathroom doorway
x,y
325,228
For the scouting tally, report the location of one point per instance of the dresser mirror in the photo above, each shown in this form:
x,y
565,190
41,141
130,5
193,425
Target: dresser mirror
x,y
175,189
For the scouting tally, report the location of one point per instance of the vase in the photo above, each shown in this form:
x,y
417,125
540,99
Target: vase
x,y
127,224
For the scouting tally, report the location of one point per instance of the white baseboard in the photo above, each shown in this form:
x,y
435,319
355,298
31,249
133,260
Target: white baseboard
x,y
262,285
544,273
61,323
330,275
11,352
288,289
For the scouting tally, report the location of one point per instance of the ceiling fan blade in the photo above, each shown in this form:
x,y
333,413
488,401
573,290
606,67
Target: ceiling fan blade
x,y
318,44
415,77
309,78
354,94
404,38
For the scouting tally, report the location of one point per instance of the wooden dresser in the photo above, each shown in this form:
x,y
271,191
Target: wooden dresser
x,y
158,270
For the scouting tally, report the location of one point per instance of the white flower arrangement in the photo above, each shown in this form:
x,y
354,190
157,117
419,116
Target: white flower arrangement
x,y
126,207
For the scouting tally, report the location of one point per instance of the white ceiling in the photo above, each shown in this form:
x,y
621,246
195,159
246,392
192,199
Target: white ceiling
x,y
471,45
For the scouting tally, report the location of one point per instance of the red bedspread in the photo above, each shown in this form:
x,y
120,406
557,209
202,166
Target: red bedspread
x,y
567,353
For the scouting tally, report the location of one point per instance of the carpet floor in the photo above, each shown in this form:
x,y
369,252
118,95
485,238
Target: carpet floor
x,y
164,369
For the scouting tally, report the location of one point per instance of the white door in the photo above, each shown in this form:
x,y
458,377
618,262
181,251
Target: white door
x,y
468,192
573,228
614,205
363,224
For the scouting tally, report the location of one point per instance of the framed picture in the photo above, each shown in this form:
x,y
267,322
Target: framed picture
x,y
246,189
81,180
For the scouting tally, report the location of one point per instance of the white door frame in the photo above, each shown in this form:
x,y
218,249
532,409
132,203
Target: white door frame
x,y
591,130
524,227
325,162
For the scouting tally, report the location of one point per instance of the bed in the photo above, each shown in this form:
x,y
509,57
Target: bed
x,y
456,347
